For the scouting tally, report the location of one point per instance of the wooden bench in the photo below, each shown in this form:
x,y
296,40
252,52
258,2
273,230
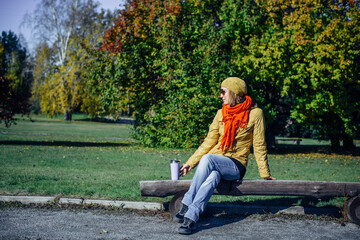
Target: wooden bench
x,y
294,140
316,189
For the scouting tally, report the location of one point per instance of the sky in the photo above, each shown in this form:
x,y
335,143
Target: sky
x,y
12,13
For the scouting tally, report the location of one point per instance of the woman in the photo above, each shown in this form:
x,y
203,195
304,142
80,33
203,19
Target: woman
x,y
224,152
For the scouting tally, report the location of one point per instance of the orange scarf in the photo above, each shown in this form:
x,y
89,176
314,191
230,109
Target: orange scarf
x,y
234,117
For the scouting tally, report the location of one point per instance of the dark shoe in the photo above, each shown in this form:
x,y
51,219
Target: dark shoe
x,y
187,227
179,217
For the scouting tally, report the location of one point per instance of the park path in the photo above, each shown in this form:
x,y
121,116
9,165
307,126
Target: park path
x,y
31,223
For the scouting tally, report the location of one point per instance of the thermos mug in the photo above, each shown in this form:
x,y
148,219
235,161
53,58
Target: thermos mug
x,y
175,167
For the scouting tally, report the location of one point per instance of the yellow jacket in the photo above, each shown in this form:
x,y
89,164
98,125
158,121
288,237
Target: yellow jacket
x,y
252,134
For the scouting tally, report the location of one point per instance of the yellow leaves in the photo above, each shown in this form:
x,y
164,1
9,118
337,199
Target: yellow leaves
x,y
60,90
326,158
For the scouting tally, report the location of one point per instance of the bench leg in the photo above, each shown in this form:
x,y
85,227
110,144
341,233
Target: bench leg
x,y
175,203
353,209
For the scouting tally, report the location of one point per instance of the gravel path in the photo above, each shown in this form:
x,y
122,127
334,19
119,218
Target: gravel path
x,y
31,223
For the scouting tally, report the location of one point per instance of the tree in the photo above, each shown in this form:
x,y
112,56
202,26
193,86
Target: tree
x,y
132,42
259,57
44,63
62,25
194,60
300,60
323,45
303,60
15,78
197,45
167,56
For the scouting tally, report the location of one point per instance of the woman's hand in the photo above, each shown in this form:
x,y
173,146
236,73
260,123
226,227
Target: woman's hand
x,y
185,169
269,178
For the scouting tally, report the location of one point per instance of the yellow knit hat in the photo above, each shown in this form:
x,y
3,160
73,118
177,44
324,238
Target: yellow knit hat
x,y
236,85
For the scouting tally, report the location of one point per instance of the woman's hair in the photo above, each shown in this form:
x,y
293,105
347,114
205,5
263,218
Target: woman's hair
x,y
234,99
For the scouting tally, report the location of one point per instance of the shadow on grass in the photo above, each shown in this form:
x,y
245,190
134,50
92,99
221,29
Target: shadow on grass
x,y
289,149
65,144
104,120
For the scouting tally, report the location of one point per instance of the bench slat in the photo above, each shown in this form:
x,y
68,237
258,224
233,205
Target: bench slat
x,y
317,189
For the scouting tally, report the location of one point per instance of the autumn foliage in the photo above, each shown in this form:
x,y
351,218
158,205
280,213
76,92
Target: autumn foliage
x,y
167,59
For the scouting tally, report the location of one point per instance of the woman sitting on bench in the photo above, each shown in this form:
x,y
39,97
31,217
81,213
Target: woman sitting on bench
x,y
224,152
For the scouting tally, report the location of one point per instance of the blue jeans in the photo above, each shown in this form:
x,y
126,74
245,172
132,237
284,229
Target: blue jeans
x,y
207,176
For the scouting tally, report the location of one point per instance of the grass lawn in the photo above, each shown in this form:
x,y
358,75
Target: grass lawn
x,y
101,160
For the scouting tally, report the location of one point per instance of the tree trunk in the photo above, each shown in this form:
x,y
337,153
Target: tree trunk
x,y
335,142
270,140
270,136
68,115
348,142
